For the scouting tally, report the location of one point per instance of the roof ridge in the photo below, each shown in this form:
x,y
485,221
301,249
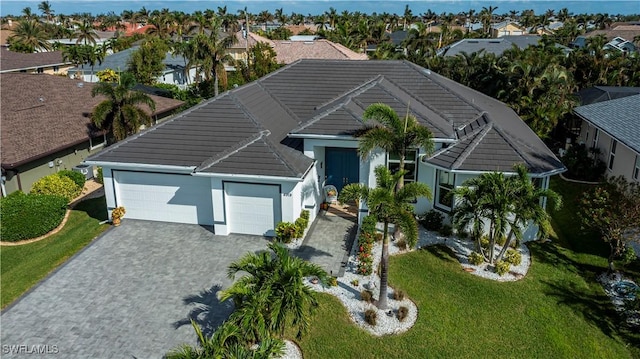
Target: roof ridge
x,y
348,95
510,141
276,151
277,100
472,146
232,150
417,99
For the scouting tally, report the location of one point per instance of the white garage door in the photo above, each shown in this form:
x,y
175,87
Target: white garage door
x,y
252,208
164,197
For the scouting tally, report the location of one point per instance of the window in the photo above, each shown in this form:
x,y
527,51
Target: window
x,y
445,181
98,141
410,165
595,138
586,136
636,170
612,153
40,70
56,69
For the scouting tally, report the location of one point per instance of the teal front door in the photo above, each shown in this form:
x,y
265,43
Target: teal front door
x,y
343,167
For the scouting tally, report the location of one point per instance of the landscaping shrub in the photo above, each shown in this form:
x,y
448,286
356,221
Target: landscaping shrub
x,y
301,225
366,239
100,177
366,296
513,257
305,214
371,316
583,163
30,216
402,244
484,242
77,177
355,282
445,230
629,255
61,186
285,232
502,267
333,281
501,240
398,295
431,220
402,313
476,258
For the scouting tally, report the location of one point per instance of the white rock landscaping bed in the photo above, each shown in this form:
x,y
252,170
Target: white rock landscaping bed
x,y
386,324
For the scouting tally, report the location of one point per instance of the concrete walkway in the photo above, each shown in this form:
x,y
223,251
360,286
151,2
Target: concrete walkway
x,y
329,241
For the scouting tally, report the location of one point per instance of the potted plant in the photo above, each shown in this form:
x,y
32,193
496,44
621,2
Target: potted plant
x,y
116,215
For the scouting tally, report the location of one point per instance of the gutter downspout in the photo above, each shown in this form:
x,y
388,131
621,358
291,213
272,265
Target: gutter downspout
x,y
2,187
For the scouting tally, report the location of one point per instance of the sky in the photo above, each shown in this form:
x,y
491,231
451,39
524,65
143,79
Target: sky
x,y
14,7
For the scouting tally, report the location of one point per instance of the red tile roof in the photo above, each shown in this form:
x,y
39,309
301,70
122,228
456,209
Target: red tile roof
x,y
42,114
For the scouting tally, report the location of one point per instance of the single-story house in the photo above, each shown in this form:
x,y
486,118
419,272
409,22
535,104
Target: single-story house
x,y
294,49
262,153
613,126
38,62
493,46
507,28
46,126
175,70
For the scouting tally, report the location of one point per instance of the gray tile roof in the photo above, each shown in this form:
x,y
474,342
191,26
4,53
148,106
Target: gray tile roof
x,y
255,129
620,118
493,46
605,93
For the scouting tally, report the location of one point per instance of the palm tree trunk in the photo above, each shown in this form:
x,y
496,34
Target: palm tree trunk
x,y
384,268
506,246
492,243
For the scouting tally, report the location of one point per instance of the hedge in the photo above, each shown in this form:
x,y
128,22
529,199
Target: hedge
x,y
78,178
57,185
30,216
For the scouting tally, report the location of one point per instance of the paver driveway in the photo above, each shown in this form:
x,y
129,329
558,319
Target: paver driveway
x,y
130,294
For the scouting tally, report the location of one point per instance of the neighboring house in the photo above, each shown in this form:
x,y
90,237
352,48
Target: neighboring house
x,y
174,73
38,62
493,46
613,126
261,153
617,43
101,38
625,30
299,47
46,126
507,28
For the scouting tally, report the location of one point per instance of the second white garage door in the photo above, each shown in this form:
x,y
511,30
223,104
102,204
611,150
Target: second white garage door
x,y
252,208
164,197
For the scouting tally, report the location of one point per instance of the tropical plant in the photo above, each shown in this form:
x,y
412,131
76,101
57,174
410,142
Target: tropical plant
x,y
208,54
45,8
147,63
120,114
526,207
388,205
227,342
29,36
612,209
394,135
85,33
273,296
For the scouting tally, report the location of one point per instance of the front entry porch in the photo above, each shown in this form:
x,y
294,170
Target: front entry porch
x,y
330,239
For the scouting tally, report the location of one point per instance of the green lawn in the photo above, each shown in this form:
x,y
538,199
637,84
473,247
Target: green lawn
x,y
556,311
23,266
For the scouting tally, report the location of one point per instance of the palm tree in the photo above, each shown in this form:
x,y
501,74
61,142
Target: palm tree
x,y
45,7
273,296
527,207
28,15
209,53
29,36
120,113
388,205
227,342
468,212
85,33
394,135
